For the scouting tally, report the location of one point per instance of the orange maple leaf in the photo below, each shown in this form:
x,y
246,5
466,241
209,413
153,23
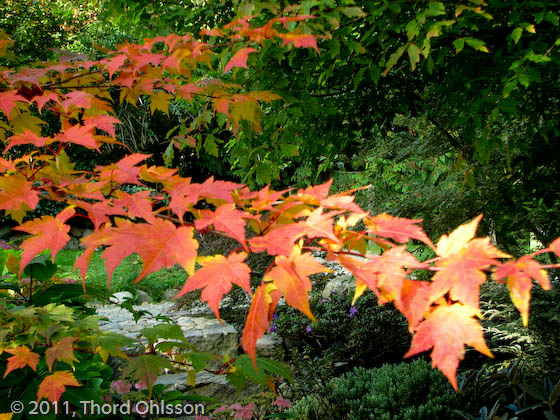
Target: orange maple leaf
x,y
258,318
53,386
414,301
225,218
48,233
16,193
62,350
124,171
22,357
77,98
216,276
27,137
460,268
83,135
290,276
390,274
447,329
279,241
239,59
299,40
8,101
555,247
519,276
160,245
137,204
399,229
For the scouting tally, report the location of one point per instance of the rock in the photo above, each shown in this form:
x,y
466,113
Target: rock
x,y
87,232
76,231
142,297
120,297
270,345
207,335
339,284
72,244
169,294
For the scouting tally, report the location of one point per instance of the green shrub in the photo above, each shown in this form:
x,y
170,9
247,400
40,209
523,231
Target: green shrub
x,y
362,335
406,391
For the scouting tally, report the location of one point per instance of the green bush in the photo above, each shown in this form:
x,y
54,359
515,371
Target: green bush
x,y
362,335
406,391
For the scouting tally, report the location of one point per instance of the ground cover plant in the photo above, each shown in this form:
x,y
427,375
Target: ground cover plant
x,y
54,110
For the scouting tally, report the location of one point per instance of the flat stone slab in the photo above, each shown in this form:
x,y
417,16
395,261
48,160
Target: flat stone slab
x,y
205,334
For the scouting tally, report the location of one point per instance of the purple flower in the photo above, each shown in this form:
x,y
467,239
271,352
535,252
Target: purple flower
x,y
324,300
274,316
353,312
272,328
308,329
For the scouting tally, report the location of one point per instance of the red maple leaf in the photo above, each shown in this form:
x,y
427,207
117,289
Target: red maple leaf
x,y
291,276
53,386
22,357
239,59
519,276
48,233
216,276
447,329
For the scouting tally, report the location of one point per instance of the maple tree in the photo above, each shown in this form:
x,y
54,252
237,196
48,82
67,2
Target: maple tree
x,y
159,223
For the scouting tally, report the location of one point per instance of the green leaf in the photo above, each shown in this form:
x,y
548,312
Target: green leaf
x,y
412,29
393,60
374,73
289,149
210,145
524,79
516,35
459,44
199,359
352,12
168,155
245,365
477,44
435,8
58,293
264,172
413,55
164,331
146,368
